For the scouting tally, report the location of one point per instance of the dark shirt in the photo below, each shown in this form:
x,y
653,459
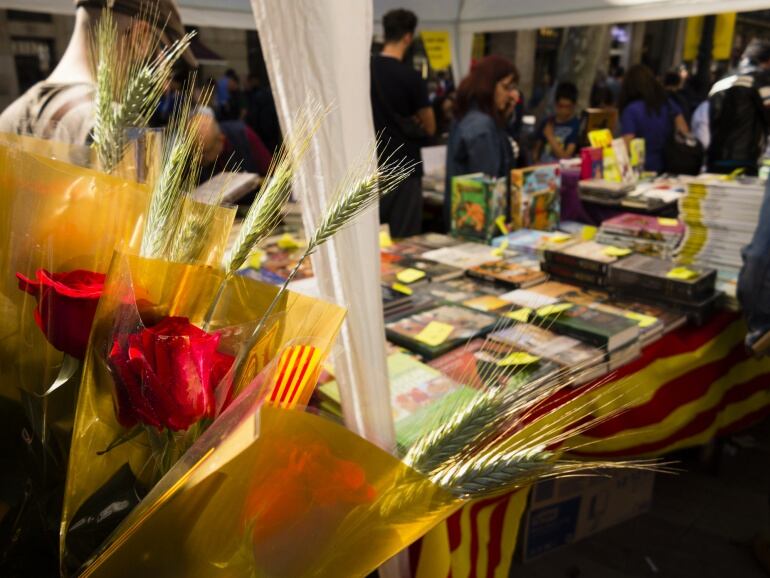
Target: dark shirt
x,y
739,118
404,93
243,146
476,145
566,133
654,127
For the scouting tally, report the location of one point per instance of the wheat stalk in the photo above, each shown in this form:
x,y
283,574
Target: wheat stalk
x,y
131,75
180,167
359,190
266,211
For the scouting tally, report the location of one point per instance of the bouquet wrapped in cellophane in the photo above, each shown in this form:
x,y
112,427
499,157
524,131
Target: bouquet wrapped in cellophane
x,y
191,454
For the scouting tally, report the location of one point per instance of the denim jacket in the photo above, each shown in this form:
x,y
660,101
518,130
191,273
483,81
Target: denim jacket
x,y
476,145
754,279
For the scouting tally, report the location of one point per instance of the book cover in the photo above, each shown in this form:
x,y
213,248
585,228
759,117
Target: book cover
x,y
593,326
642,274
464,256
627,175
571,274
645,227
414,385
478,365
588,255
591,165
458,290
561,349
533,243
433,271
552,292
489,303
508,273
535,197
433,240
465,324
477,201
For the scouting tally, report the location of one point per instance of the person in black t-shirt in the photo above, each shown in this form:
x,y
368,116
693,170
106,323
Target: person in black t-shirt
x,y
404,119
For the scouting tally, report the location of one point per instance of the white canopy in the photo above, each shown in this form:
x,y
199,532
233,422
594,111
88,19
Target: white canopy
x,y
462,18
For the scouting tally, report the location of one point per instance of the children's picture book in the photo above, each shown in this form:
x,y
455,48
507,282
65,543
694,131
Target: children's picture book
x,y
536,197
477,202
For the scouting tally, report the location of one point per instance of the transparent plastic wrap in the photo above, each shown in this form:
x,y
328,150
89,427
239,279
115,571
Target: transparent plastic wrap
x,y
264,484
154,379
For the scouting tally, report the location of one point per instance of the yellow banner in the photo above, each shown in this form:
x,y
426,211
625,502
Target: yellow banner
x,y
724,32
438,48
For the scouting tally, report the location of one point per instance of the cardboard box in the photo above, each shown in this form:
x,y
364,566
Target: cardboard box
x,y
567,510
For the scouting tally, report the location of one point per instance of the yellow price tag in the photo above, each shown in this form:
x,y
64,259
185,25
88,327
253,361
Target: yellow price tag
x,y
288,242
410,275
500,251
555,309
588,232
668,222
401,288
255,260
559,238
435,333
613,251
385,240
518,358
641,319
500,222
681,273
520,315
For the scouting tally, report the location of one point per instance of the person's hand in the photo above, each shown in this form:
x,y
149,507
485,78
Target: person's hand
x,y
548,130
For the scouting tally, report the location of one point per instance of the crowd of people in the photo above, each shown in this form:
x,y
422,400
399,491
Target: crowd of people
x,y
684,129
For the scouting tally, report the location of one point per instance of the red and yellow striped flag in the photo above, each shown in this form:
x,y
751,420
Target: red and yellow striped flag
x,y
295,377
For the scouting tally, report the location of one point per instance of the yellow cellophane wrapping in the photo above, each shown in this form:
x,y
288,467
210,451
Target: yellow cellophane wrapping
x,y
180,290
61,217
301,497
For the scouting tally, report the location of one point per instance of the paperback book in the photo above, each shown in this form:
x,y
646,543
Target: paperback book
x,y
455,324
640,274
535,197
477,202
593,326
508,273
590,256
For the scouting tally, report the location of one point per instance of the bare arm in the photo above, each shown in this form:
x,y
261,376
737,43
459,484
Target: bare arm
x,y
681,125
427,120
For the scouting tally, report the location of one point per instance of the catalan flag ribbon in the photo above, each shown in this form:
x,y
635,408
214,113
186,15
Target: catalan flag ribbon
x,y
295,376
689,387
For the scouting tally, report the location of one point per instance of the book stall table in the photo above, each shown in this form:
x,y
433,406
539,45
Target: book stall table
x,y
690,386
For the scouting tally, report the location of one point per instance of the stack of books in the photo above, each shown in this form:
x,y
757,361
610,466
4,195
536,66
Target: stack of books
x,y
603,192
685,288
721,217
586,263
654,236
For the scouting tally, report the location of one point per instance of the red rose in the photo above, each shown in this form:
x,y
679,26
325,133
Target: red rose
x,y
66,305
166,375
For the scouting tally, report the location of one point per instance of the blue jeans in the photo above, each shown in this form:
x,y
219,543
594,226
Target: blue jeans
x,y
754,278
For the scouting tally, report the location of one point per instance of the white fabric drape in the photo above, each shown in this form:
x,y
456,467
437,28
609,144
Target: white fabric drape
x,y
321,47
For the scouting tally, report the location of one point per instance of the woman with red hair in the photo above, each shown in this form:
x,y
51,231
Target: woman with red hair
x,y
478,142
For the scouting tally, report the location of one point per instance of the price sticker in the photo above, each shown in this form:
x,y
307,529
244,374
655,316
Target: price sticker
x,y
410,275
255,260
555,309
588,232
500,222
500,251
401,288
559,238
682,273
667,222
641,319
520,315
435,333
518,358
288,242
385,240
613,251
